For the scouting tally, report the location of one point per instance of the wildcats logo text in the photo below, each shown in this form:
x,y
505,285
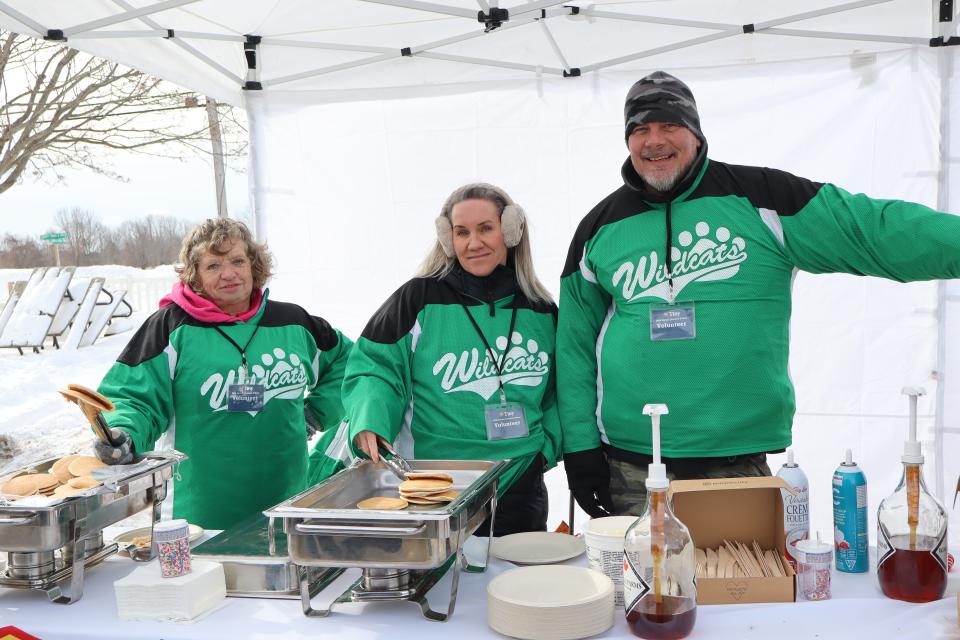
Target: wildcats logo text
x,y
521,364
282,375
709,256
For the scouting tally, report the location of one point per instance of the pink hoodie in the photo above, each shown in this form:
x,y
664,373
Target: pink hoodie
x,y
206,310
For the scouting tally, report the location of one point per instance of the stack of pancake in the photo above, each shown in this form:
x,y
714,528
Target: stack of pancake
x,y
421,488
427,487
67,477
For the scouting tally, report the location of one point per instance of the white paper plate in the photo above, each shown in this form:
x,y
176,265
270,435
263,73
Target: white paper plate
x,y
127,537
550,586
551,602
537,547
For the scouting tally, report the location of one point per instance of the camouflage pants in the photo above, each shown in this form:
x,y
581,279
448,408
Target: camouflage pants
x,y
629,492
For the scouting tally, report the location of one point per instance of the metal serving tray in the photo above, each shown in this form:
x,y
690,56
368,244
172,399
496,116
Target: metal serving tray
x,y
46,528
325,529
251,568
73,527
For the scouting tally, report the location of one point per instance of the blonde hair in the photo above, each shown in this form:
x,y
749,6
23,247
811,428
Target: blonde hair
x,y
438,264
209,235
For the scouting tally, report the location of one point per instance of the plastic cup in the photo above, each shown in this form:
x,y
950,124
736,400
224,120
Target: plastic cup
x,y
172,538
604,541
814,566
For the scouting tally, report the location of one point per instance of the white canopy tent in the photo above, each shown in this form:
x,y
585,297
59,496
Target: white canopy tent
x,y
365,114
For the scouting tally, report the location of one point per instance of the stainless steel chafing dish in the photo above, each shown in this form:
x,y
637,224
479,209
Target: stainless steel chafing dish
x,y
255,561
402,553
50,546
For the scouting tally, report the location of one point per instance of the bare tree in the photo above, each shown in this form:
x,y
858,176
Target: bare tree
x,y
151,241
85,234
60,108
145,242
19,252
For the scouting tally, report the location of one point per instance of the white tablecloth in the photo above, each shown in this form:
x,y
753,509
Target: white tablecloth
x,y
858,610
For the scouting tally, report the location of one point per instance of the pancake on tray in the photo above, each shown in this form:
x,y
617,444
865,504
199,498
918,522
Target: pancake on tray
x,y
382,503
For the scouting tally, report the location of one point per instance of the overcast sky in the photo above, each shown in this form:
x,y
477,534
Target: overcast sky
x,y
156,186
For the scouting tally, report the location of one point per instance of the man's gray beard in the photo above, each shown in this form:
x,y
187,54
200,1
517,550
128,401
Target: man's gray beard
x,y
662,185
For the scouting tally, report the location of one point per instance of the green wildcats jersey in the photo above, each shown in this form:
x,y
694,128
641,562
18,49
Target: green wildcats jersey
x,y
420,376
737,236
175,374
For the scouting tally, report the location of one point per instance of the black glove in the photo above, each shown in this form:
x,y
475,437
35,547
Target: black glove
x,y
313,425
588,476
121,454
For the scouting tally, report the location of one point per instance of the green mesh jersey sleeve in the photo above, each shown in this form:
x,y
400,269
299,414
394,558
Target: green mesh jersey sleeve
x,y
143,396
851,233
329,454
583,308
552,432
324,399
377,386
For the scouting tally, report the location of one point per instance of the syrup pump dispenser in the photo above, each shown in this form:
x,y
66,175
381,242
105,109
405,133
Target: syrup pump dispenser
x,y
659,562
912,529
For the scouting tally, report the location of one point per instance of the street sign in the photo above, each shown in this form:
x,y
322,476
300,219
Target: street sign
x,y
54,238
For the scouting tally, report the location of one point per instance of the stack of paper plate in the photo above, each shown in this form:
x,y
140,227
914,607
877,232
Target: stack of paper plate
x,y
552,602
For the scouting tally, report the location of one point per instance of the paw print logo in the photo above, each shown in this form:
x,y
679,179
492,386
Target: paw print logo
x,y
704,243
517,350
278,356
524,363
707,254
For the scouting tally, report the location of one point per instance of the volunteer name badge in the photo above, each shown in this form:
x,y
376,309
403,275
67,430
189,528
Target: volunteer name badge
x,y
505,421
247,396
673,322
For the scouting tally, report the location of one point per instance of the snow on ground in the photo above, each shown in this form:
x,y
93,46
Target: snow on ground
x,y
39,421
35,421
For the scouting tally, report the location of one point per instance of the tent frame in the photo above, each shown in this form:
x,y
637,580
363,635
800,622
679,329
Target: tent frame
x,y
493,18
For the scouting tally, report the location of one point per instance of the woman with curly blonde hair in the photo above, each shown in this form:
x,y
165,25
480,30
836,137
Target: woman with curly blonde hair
x,y
234,372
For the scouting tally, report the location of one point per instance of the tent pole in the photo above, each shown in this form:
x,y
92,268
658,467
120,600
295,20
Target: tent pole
x,y
183,45
944,203
38,28
253,101
130,14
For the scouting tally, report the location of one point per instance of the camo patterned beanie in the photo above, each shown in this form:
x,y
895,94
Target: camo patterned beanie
x,y
660,97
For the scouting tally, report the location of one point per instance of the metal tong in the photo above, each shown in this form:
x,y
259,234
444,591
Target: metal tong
x,y
92,404
395,463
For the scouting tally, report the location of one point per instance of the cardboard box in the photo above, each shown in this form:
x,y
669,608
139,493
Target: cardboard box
x,y
742,509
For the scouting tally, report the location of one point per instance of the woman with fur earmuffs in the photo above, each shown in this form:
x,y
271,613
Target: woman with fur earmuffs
x,y
459,362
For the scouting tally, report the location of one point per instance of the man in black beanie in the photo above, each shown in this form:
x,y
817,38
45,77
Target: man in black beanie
x,y
676,291
662,131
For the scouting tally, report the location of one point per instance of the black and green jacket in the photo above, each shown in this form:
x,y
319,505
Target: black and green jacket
x,y
738,236
174,374
419,375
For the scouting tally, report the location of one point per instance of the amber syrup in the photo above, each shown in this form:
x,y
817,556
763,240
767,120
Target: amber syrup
x,y
912,576
661,621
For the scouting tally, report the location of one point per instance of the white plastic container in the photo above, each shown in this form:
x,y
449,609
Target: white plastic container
x,y
604,539
172,538
814,563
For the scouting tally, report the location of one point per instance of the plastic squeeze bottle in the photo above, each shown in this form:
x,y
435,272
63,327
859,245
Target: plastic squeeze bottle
x,y
659,562
850,517
912,529
796,507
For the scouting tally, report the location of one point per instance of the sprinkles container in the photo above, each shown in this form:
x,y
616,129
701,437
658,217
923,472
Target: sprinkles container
x,y
172,538
814,565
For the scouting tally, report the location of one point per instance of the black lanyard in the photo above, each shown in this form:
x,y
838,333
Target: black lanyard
x,y
496,362
243,350
669,258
